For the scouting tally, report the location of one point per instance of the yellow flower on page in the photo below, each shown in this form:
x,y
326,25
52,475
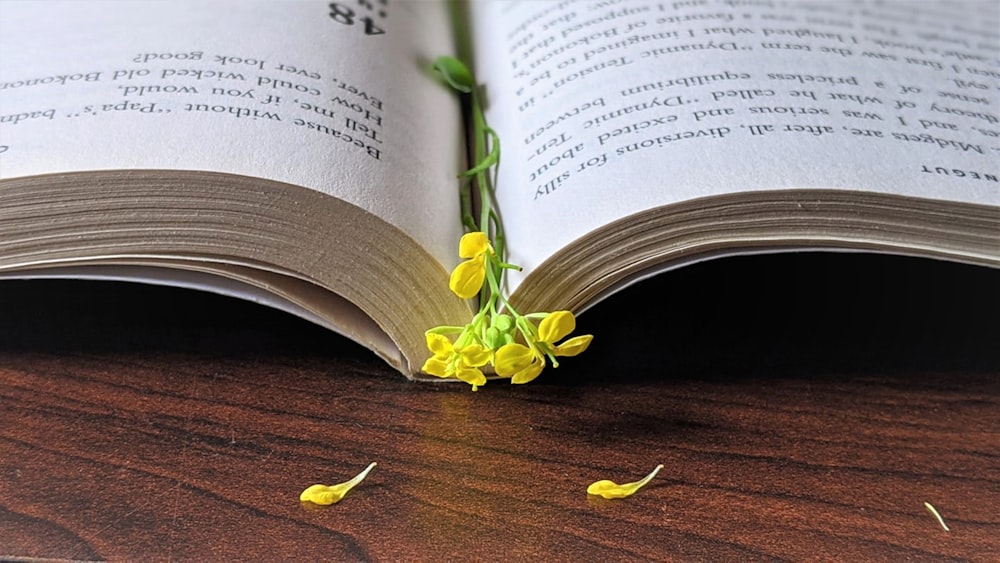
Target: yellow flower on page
x,y
467,278
517,346
329,494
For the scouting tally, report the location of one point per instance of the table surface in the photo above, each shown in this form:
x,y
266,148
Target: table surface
x,y
803,407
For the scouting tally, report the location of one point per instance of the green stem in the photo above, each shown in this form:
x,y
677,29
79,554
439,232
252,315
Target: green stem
x,y
496,295
480,136
465,204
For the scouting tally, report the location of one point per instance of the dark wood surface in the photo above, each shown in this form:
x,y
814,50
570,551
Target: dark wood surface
x,y
804,408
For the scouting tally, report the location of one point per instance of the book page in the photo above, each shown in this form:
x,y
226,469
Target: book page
x,y
333,96
606,108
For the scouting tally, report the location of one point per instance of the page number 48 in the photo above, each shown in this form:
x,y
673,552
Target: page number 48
x,y
348,16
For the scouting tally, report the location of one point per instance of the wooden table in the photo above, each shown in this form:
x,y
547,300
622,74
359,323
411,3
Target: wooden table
x,y
804,408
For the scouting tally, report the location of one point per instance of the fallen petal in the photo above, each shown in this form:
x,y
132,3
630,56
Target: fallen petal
x,y
610,489
329,494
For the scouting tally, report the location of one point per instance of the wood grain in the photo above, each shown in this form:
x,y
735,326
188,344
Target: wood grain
x,y
804,408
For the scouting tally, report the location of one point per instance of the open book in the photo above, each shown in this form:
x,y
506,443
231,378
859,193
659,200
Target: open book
x,y
303,155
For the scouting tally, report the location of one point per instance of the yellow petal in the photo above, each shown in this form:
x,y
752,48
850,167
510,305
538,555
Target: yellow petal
x,y
329,494
573,346
439,345
473,244
467,278
609,489
936,514
472,376
475,355
528,373
436,367
555,326
512,358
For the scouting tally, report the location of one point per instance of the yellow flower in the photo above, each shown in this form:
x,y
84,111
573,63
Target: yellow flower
x,y
461,362
467,278
524,363
557,326
329,494
610,489
519,362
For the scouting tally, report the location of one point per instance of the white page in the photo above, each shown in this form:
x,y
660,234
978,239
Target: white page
x,y
608,108
309,93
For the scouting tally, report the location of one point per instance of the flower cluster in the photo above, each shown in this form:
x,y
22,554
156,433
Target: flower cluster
x,y
515,346
511,343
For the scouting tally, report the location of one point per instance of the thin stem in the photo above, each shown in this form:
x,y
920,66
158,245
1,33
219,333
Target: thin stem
x,y
496,295
478,157
465,204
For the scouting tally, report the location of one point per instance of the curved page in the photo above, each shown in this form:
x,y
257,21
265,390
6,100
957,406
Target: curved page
x,y
608,110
